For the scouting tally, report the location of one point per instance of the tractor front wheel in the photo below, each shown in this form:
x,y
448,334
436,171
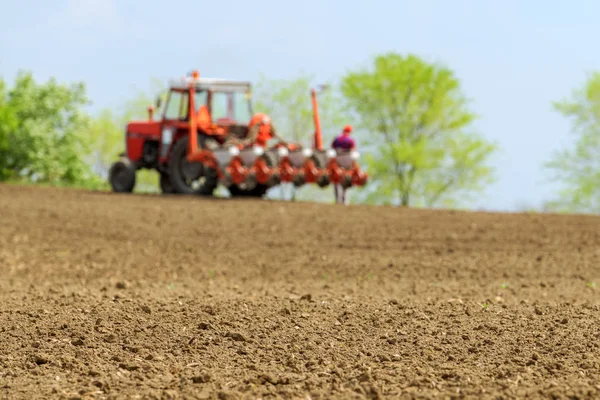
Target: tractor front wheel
x,y
122,176
190,177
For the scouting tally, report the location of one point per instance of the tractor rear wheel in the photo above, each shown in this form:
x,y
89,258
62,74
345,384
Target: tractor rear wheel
x,y
122,176
190,177
165,183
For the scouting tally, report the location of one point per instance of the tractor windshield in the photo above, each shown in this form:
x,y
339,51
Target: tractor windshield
x,y
177,104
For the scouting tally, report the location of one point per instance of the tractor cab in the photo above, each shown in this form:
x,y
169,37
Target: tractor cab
x,y
221,107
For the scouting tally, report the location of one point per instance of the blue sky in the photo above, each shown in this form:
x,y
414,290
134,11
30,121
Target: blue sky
x,y
513,57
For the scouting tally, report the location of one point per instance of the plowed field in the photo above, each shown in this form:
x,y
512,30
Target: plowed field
x,y
129,296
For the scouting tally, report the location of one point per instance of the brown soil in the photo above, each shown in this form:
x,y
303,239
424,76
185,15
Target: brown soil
x,y
123,296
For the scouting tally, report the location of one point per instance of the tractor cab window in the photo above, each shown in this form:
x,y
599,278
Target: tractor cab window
x,y
184,109
201,99
177,107
242,112
176,104
219,106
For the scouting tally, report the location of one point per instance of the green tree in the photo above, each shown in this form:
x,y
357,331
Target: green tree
x,y
288,102
41,127
577,169
422,150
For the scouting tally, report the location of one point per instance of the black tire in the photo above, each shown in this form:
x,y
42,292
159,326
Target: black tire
x,y
182,172
323,181
258,191
299,181
320,160
122,176
346,182
165,184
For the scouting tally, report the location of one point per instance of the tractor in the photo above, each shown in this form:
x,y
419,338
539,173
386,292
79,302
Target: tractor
x,y
191,145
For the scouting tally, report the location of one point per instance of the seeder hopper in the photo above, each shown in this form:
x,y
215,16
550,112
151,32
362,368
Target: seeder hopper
x,y
195,146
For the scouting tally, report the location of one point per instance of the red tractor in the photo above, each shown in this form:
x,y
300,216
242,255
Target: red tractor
x,y
181,145
192,148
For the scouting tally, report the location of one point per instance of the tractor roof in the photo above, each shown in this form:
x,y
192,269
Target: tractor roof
x,y
216,84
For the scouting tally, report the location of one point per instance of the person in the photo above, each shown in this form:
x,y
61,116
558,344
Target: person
x,y
345,143
260,132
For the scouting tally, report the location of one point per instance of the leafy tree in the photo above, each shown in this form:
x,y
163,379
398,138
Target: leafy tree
x,y
41,126
577,169
288,102
417,117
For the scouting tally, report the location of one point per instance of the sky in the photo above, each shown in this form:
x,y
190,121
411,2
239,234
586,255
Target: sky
x,y
513,57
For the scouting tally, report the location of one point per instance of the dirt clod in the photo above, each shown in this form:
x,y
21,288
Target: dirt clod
x,y
204,378
238,337
121,285
111,338
203,326
40,359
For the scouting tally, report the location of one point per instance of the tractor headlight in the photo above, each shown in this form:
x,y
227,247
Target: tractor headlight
x,y
331,153
355,155
282,152
258,151
234,151
307,152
